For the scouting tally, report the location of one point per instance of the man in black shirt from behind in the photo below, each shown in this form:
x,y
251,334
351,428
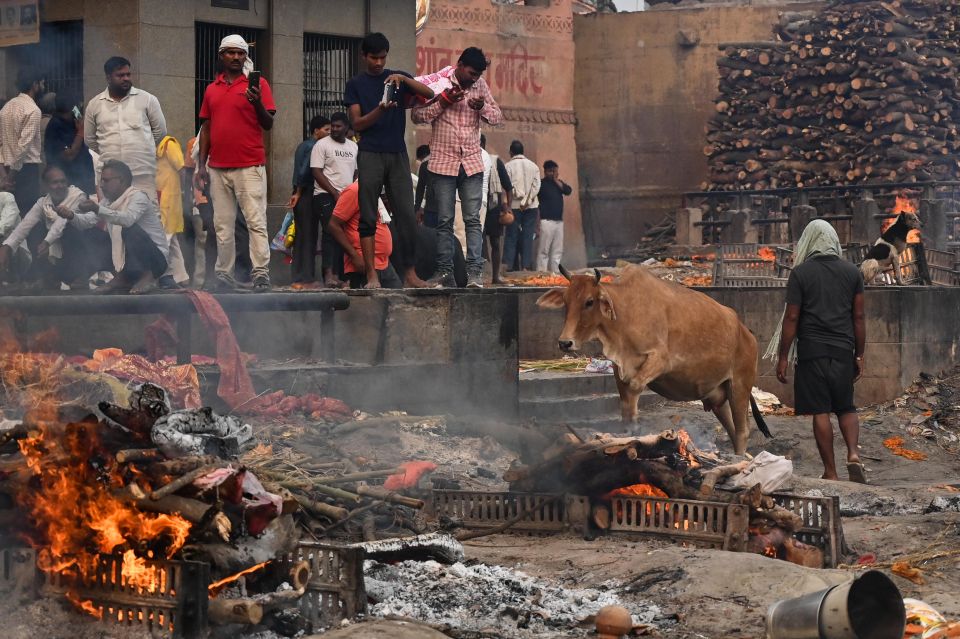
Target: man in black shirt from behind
x,y
825,314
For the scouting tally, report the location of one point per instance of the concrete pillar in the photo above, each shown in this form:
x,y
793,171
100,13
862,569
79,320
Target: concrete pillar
x,y
865,226
740,230
286,66
800,216
688,233
933,215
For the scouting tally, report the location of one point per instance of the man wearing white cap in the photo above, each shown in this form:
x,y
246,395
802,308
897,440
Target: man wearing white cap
x,y
236,109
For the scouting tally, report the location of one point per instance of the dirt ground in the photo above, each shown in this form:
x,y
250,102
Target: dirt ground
x,y
907,513
711,593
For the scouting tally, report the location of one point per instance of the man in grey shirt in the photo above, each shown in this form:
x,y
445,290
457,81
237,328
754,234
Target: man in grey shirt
x,y
140,249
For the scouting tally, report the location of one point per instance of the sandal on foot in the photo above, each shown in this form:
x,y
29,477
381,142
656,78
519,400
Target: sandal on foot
x,y
856,472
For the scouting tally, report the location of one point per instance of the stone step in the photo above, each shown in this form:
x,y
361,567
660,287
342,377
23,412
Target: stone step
x,y
563,384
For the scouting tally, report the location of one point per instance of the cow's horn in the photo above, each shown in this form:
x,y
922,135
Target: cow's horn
x,y
564,271
596,272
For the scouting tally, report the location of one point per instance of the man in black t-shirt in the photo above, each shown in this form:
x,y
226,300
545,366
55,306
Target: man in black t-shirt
x,y
382,161
63,144
825,315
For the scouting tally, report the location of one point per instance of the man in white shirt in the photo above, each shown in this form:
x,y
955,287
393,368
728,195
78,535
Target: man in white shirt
x,y
126,123
20,147
333,162
525,178
139,243
66,253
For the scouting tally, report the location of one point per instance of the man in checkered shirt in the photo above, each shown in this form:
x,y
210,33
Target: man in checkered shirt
x,y
456,161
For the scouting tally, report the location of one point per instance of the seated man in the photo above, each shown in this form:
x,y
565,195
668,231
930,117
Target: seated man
x,y
140,247
67,253
344,227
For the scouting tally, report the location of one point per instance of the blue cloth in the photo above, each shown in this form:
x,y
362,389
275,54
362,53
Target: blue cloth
x,y
387,133
445,188
302,175
519,237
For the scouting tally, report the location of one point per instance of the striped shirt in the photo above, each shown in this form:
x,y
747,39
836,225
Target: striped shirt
x,y
456,130
20,132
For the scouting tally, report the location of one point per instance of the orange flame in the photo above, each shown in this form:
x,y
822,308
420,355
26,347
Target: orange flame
x,y
767,254
217,586
902,204
78,508
636,490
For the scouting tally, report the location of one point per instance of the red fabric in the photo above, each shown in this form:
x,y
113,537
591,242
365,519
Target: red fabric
x,y
159,339
235,387
348,210
236,139
412,472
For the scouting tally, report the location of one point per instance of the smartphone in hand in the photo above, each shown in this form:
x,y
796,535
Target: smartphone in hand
x,y
254,79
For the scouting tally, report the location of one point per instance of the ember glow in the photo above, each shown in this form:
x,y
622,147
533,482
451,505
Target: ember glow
x,y
217,586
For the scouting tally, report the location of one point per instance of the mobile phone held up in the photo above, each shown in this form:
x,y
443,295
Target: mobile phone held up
x,y
389,93
76,112
254,79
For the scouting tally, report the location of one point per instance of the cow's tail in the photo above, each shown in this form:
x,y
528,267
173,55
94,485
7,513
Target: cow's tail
x,y
758,417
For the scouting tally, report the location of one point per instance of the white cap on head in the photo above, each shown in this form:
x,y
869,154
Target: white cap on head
x,y
234,41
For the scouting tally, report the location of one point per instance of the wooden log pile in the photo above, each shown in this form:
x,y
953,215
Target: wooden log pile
x,y
860,92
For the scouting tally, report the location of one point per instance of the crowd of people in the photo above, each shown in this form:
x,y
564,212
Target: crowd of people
x,y
100,196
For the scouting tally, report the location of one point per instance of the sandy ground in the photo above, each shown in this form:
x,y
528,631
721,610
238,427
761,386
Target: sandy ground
x,y
711,593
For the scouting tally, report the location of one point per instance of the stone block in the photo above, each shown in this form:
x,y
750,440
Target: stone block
x,y
935,224
688,233
800,216
865,226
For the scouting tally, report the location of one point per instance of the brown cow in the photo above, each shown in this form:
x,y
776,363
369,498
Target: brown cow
x,y
678,342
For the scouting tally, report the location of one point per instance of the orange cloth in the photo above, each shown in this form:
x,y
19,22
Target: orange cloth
x,y
180,381
348,210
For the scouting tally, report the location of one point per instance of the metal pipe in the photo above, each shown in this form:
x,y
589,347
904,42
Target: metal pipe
x,y
171,303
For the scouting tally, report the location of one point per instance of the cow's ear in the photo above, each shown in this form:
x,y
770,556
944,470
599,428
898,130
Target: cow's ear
x,y
552,298
606,306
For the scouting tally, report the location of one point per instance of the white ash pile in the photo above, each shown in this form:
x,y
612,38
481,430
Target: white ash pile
x,y
495,599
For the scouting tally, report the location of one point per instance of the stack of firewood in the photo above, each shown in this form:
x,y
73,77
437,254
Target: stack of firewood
x,y
859,92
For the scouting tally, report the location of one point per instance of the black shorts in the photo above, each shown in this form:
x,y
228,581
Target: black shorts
x,y
824,385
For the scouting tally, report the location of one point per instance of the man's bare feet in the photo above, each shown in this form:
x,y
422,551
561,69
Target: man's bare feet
x,y
332,282
373,282
412,280
145,284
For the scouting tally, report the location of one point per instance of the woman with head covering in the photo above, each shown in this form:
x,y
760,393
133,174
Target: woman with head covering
x,y
823,332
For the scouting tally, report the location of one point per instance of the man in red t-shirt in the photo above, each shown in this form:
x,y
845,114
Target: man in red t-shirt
x,y
345,229
234,114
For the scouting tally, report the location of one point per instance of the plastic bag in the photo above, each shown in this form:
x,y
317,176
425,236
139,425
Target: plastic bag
x,y
769,470
923,622
279,241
